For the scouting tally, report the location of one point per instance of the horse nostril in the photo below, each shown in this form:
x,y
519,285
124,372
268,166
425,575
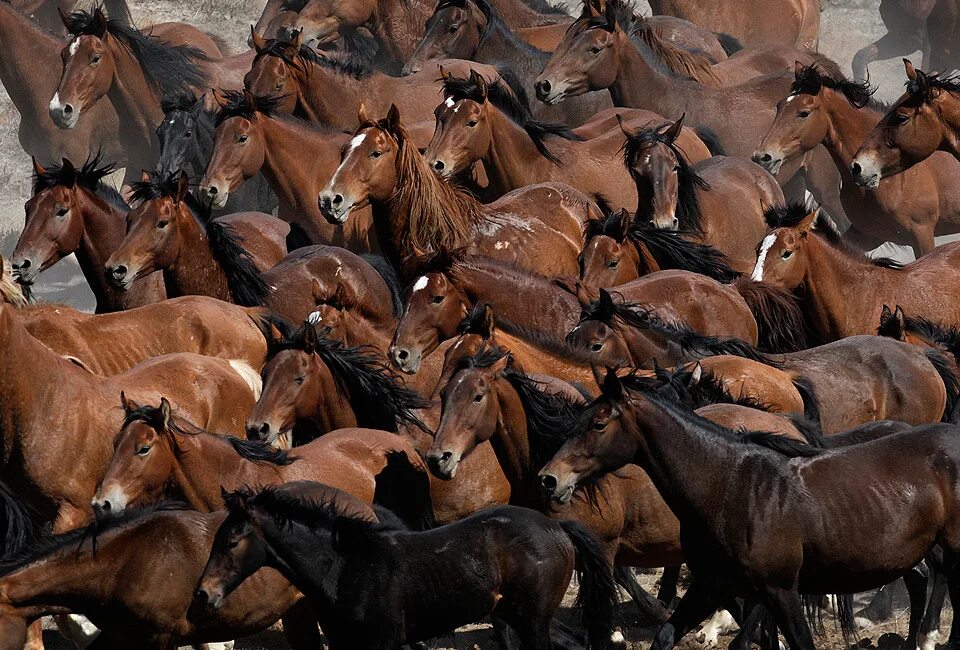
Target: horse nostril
x,y
68,109
403,355
201,596
338,199
765,157
212,191
119,271
549,483
264,428
25,264
445,456
543,87
675,223
856,169
105,506
438,165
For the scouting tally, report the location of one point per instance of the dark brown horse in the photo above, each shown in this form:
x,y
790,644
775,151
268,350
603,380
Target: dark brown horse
x,y
415,213
906,24
73,211
756,22
907,208
924,120
626,426
198,255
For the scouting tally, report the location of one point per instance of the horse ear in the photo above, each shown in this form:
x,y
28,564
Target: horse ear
x,y
606,300
597,374
292,50
500,365
612,387
627,131
183,186
626,219
144,176
38,169
885,314
309,337
672,132
809,222
444,75
584,297
124,404
340,299
64,18
911,71
319,297
696,374
362,114
901,318
250,100
220,100
164,413
393,118
480,82
99,23
258,41
489,321
798,69
69,172
590,9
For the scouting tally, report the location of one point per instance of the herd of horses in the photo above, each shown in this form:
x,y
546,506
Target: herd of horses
x,y
414,311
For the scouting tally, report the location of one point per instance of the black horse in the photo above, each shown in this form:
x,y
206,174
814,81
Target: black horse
x,y
375,586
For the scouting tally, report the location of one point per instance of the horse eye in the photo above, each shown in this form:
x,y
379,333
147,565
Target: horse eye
x,y
599,425
162,224
242,139
472,123
478,398
95,59
299,379
62,212
437,300
595,50
376,154
233,543
804,114
143,451
787,254
612,264
900,119
596,347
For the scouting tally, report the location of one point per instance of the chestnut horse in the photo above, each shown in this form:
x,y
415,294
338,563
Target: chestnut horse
x,y
908,208
924,120
755,22
416,213
296,158
487,122
73,211
198,255
109,344
720,201
805,255
80,409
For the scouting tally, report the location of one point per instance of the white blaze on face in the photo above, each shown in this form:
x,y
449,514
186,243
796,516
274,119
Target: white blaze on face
x,y
356,142
55,104
765,247
791,98
449,103
420,284
74,46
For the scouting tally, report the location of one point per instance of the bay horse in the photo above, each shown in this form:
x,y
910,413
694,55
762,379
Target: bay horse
x,y
906,25
625,426
77,572
720,201
805,255
197,254
896,324
416,213
485,122
73,211
296,159
160,456
790,22
924,120
907,208
28,78
108,57
618,249
472,577
109,344
82,409
186,142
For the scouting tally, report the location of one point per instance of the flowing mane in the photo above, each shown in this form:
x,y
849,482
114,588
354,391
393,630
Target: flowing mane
x,y
340,63
239,104
920,90
812,78
244,280
677,386
167,68
10,290
689,182
380,398
679,61
285,507
90,177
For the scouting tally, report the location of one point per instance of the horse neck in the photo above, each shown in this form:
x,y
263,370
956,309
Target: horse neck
x,y
363,331
849,128
195,271
399,27
502,44
137,108
334,408
512,302
329,98
285,148
51,583
642,259
512,160
950,114
301,560
104,228
640,341
640,83
27,71
511,442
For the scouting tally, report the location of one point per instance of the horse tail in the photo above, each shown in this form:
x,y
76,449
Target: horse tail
x,y
711,139
844,610
729,43
597,595
950,381
811,405
811,431
19,529
403,486
777,311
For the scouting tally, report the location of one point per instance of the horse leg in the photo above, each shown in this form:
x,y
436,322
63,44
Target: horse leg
x,y
696,605
916,581
886,47
502,633
952,569
535,634
787,611
77,629
923,242
668,585
861,240
754,613
300,627
647,604
930,626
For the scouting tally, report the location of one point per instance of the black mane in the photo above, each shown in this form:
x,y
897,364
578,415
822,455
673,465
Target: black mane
x,y
812,78
338,62
236,105
167,68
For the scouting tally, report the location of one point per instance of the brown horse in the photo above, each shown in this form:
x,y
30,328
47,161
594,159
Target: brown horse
x,y
296,158
73,211
805,255
756,22
107,57
198,255
109,344
908,208
906,24
416,213
28,78
719,201
486,122
925,119
82,409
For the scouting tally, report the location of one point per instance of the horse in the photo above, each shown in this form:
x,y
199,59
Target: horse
x,y
80,409
804,254
186,142
908,208
11,292
73,211
485,122
78,570
160,456
28,78
109,344
924,120
906,24
104,51
625,426
197,254
415,212
521,588
720,201
301,159
789,22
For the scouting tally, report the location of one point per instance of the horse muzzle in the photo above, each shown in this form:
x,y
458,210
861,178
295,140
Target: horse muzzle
x,y
768,161
866,172
443,464
209,601
550,92
406,360
25,272
120,277
64,114
560,492
216,194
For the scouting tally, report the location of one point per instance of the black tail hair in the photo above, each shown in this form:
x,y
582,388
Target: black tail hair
x,y
19,528
729,43
950,381
405,491
597,595
711,139
814,614
780,321
810,431
811,405
389,274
